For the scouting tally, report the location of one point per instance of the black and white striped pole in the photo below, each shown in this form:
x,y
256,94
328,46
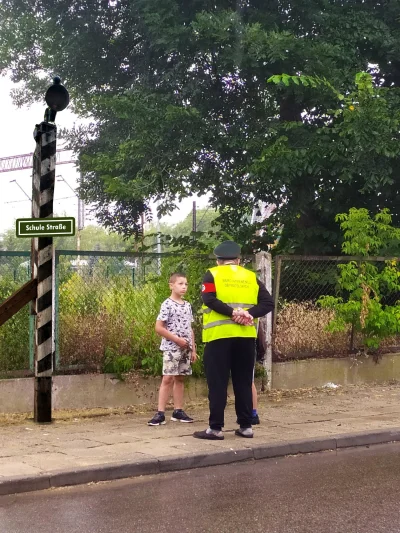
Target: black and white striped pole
x,y
44,167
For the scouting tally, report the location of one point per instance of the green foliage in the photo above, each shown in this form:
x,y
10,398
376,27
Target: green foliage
x,y
366,283
345,158
14,334
152,365
97,238
110,318
110,322
117,364
259,371
180,236
365,236
180,104
80,296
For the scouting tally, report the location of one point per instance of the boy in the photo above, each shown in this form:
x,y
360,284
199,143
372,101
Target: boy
x,y
174,324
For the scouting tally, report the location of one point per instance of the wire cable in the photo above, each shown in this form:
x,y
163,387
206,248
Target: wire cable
x,y
202,218
55,200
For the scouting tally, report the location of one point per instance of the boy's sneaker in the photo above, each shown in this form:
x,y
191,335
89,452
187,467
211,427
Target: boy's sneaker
x,y
180,416
157,420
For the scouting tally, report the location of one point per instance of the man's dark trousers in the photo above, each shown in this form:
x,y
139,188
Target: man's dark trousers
x,y
233,356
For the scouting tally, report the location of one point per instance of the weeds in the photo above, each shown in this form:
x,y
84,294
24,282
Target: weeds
x,y
301,332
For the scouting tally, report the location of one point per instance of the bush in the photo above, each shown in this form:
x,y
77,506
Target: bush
x,y
366,284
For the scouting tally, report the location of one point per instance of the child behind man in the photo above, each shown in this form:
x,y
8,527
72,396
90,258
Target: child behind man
x,y
174,324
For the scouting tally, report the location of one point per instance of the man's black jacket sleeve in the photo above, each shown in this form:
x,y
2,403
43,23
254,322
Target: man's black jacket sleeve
x,y
264,304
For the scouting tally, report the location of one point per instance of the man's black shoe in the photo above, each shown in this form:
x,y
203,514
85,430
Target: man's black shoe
x,y
209,435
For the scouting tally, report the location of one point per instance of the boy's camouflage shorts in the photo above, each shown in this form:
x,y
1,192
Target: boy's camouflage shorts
x,y
177,363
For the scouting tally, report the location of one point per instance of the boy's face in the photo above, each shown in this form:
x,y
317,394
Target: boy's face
x,y
179,286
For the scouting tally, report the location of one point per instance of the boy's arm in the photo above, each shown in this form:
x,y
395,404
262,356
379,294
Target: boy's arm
x,y
163,332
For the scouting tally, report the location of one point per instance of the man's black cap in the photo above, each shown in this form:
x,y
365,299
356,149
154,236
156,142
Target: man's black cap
x,y
227,250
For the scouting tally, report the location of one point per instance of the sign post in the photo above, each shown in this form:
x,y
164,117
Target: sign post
x,y
44,166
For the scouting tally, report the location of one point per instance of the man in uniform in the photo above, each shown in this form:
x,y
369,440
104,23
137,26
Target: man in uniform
x,y
232,299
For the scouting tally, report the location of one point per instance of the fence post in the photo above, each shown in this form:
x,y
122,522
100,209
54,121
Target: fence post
x,y
44,163
277,283
56,285
31,341
264,266
32,307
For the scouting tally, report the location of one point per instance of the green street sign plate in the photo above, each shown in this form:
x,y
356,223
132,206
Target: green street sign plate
x,y
45,227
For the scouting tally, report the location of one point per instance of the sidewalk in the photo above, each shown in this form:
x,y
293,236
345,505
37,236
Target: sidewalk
x,y
82,448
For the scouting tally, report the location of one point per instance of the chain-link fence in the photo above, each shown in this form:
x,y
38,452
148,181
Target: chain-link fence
x,y
300,325
16,335
107,304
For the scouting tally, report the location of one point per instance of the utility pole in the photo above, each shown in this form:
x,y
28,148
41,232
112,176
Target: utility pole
x,y
81,222
194,217
43,179
81,213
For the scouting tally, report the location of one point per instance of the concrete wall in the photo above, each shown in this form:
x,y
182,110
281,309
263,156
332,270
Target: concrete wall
x,y
104,390
318,372
89,391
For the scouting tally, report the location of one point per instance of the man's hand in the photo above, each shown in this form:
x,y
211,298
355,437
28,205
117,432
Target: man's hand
x,y
182,343
242,317
193,357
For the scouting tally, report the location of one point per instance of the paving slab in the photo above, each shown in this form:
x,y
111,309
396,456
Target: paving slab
x,y
76,448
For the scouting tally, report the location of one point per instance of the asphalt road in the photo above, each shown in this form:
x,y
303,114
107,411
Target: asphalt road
x,y
352,491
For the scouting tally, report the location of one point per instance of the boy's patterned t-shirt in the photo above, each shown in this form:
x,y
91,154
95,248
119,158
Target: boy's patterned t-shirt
x,y
178,319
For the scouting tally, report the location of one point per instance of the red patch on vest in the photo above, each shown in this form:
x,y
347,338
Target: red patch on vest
x,y
208,287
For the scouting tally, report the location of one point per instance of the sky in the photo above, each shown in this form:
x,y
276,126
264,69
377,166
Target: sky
x,y
16,137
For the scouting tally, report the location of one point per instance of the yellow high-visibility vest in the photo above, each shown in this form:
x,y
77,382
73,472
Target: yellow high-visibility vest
x,y
237,287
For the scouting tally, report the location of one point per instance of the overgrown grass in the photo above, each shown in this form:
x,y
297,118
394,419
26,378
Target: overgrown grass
x,y
14,335
301,332
108,325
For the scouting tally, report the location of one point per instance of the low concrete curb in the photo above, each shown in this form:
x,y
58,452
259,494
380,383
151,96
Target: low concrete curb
x,y
78,476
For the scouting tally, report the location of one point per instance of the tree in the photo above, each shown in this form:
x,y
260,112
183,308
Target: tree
x,y
180,236
347,159
95,237
179,95
366,283
205,222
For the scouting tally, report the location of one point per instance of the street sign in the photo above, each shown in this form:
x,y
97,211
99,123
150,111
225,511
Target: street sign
x,y
45,227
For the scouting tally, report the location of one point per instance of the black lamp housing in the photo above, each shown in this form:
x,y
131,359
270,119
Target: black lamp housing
x,y
57,98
